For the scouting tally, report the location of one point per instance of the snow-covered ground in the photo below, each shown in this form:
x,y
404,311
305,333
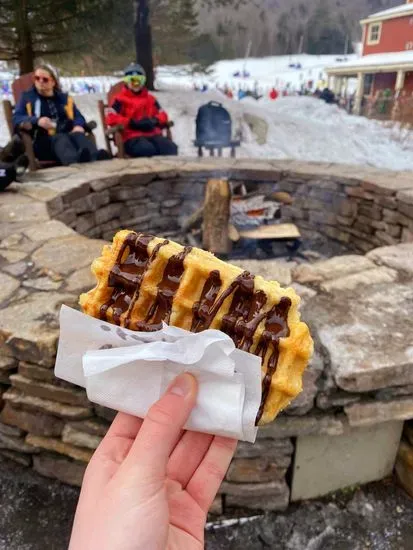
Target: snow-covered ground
x,y
284,72
300,128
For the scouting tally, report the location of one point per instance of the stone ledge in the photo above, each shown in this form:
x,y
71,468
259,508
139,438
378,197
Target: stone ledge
x,y
30,403
58,446
368,414
57,467
350,327
37,424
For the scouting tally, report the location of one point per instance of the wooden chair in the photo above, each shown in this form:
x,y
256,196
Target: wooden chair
x,y
113,134
20,85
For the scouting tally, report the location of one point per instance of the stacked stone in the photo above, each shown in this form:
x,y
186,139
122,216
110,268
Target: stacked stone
x,y
365,214
355,304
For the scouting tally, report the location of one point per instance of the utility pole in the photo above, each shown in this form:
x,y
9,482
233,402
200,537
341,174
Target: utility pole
x,y
143,39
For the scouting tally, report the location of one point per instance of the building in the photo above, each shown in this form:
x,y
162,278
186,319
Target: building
x,y
387,58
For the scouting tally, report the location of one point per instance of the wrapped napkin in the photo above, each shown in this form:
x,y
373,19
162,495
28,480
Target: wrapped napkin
x,y
129,371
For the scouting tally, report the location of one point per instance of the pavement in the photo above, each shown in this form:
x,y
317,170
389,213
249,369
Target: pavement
x,y
37,514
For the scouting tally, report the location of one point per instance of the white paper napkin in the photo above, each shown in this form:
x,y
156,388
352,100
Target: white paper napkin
x,y
128,371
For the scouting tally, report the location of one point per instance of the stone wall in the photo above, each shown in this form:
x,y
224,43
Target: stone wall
x,y
361,208
359,309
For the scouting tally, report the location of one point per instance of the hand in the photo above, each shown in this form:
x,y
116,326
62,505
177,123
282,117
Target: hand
x,y
26,126
78,129
46,123
144,125
149,485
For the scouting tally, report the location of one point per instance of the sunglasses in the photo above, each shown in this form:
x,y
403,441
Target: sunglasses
x,y
136,80
42,79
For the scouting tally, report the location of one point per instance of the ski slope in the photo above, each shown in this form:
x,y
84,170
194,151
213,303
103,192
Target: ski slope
x,y
286,72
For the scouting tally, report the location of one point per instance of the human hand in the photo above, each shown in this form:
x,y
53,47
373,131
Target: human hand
x,y
46,123
143,125
78,129
149,485
26,126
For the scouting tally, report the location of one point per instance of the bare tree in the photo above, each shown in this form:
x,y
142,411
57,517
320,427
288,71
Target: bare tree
x,y
143,40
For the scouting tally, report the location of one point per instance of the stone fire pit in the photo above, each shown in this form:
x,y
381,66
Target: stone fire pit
x,y
346,426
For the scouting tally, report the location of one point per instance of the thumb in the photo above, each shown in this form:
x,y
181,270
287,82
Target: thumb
x,y
162,426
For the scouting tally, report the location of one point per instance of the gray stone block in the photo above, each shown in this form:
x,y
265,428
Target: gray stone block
x,y
68,471
352,330
324,464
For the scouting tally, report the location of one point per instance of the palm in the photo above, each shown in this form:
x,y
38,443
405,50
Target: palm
x,y
186,530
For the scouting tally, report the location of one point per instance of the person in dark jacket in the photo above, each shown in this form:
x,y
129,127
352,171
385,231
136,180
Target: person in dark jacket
x,y
141,116
57,125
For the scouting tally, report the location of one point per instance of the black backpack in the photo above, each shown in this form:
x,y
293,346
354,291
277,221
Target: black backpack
x,y
13,162
213,124
8,174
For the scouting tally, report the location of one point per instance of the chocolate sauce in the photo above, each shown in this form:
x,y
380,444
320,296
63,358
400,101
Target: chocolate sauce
x,y
161,309
208,296
234,321
276,327
207,308
126,276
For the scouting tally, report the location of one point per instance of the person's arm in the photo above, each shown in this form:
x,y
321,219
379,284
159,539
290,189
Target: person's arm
x,y
115,117
79,121
20,115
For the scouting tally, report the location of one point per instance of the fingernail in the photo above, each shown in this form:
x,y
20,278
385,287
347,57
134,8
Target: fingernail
x,y
182,385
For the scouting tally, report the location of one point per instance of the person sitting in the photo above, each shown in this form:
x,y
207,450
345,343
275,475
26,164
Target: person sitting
x,y
57,126
141,117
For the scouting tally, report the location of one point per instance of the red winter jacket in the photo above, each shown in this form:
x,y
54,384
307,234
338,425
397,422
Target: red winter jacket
x,y
128,105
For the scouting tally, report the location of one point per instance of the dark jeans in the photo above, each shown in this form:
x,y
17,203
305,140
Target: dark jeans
x,y
150,147
65,148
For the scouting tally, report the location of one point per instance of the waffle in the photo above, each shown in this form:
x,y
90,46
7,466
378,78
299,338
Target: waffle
x,y
143,280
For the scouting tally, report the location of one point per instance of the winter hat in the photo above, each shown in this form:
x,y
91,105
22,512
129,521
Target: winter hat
x,y
134,69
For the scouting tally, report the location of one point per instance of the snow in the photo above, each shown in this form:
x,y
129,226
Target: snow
x,y
379,59
266,72
301,128
397,10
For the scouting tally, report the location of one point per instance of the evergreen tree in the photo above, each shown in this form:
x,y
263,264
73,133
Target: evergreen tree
x,y
37,28
175,30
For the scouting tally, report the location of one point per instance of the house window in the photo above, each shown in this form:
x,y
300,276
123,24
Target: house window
x,y
374,34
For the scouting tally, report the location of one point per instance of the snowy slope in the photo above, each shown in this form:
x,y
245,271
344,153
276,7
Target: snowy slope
x,y
266,72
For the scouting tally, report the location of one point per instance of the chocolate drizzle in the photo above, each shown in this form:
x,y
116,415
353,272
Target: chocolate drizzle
x,y
240,322
276,327
161,309
126,276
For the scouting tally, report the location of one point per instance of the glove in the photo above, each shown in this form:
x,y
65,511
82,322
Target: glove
x,y
144,125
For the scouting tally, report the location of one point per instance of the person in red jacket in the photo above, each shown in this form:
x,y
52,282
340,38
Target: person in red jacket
x,y
274,94
141,116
